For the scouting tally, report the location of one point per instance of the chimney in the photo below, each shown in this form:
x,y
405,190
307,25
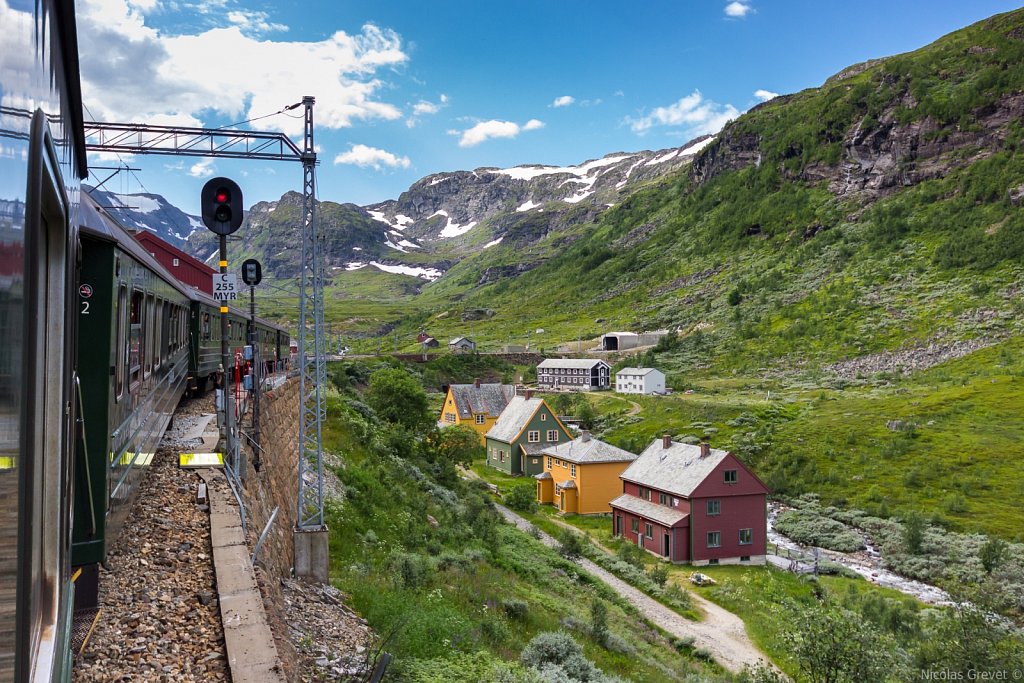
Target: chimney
x,y
476,382
666,441
705,449
585,436
529,394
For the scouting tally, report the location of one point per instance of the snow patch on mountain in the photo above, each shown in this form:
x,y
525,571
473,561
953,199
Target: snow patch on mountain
x,y
430,274
493,243
527,206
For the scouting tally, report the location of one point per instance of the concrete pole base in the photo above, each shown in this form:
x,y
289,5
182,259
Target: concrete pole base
x,y
312,559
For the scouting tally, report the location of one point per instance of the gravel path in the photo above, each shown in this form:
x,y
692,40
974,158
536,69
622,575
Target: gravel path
x,y
721,633
160,620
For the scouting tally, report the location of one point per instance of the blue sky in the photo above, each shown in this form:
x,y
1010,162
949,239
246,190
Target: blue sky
x,y
406,89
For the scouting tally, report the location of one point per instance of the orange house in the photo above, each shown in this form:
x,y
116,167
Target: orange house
x,y
475,405
582,476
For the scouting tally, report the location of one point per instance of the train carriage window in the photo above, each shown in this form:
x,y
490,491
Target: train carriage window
x,y
121,341
148,347
165,330
206,326
135,340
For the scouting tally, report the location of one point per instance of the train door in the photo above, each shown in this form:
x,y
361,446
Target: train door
x,y
47,415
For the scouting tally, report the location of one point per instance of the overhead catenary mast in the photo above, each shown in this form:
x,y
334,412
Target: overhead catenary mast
x,y
134,138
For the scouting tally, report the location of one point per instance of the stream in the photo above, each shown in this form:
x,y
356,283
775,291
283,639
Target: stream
x,y
867,563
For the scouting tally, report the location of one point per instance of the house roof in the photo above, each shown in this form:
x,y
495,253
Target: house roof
x,y
678,469
543,475
636,371
489,399
532,448
584,449
653,511
460,339
574,363
514,418
567,484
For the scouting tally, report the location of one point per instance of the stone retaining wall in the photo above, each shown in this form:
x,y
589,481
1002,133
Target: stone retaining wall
x,y
275,486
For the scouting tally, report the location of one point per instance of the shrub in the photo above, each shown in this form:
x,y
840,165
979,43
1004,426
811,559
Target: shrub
x,y
515,609
658,574
410,570
599,622
559,658
571,545
522,497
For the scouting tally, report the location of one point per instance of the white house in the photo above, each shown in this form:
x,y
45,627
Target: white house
x,y
461,344
639,381
573,374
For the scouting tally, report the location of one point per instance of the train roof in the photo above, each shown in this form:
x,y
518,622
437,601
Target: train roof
x,y
93,220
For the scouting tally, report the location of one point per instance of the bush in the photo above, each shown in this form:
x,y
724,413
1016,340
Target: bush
x,y
559,658
658,574
522,497
410,570
812,527
571,545
599,622
515,609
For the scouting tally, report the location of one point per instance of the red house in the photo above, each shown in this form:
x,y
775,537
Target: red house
x,y
190,271
692,504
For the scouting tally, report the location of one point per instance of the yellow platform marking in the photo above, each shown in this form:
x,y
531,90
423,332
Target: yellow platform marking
x,y
200,460
74,577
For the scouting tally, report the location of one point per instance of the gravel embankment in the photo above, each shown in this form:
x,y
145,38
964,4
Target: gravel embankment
x,y
160,620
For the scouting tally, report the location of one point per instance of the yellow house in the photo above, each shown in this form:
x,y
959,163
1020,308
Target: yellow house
x,y
582,476
475,405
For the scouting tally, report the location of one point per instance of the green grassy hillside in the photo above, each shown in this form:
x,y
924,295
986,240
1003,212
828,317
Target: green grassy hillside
x,y
855,249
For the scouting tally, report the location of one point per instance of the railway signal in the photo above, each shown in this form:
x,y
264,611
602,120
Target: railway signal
x,y
222,205
252,272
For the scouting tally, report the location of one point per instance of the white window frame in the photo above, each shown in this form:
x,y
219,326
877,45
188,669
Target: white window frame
x,y
533,436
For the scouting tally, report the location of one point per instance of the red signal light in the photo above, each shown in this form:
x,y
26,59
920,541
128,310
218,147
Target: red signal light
x,y
222,196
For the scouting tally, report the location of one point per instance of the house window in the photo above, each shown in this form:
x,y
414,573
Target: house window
x,y
636,525
714,507
552,435
746,536
480,419
744,558
549,462
713,560
533,461
175,262
502,453
449,417
543,417
564,464
533,436
714,539
648,530
572,470
663,499
730,476
647,494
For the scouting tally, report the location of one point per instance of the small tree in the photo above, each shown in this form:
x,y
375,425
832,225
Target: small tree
x,y
992,554
399,398
913,532
457,444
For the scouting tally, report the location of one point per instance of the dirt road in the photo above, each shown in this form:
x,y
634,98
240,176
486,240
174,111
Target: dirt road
x,y
721,633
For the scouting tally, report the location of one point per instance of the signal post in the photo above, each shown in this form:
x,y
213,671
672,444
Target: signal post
x,y
222,214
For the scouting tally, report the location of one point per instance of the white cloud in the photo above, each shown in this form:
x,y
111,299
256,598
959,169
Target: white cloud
x,y
694,114
227,70
738,9
361,155
202,168
765,95
563,101
257,22
425,108
486,130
